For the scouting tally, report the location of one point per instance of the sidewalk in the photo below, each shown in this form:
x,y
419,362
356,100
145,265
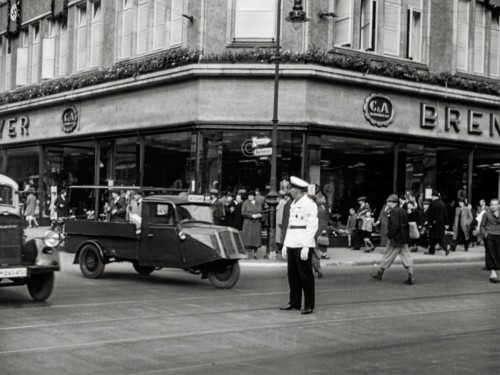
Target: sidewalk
x,y
346,257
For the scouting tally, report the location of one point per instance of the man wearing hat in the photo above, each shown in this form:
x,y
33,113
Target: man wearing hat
x,y
217,207
398,234
437,216
298,247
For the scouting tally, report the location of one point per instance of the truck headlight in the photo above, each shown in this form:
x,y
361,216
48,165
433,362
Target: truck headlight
x,y
51,239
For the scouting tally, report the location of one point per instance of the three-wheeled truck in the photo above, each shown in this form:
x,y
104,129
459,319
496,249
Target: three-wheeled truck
x,y
24,262
174,232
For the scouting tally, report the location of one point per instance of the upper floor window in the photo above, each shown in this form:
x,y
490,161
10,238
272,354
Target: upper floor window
x,y
414,30
22,58
8,64
149,25
479,37
495,46
35,57
95,36
254,20
390,27
368,25
49,51
81,37
463,34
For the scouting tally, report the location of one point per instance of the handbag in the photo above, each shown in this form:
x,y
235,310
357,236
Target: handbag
x,y
323,240
414,233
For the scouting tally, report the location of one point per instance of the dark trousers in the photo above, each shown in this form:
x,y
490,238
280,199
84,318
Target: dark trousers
x,y
434,241
492,252
300,278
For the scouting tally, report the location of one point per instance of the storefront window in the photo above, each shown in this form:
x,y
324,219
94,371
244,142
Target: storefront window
x,y
485,176
22,166
234,160
67,165
351,168
127,161
168,160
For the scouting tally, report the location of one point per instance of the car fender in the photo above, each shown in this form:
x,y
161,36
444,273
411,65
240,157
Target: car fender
x,y
46,256
98,245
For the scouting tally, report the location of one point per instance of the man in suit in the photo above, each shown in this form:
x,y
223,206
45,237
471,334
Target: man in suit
x,y
62,205
437,216
118,207
398,235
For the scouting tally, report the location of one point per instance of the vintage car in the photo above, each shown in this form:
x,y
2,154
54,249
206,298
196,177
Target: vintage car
x,y
172,232
22,262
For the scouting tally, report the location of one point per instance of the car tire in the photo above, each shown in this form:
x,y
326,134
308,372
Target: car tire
x,y
91,263
143,270
225,277
40,286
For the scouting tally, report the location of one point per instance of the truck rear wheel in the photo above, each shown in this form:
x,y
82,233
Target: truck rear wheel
x,y
40,286
143,270
91,263
225,277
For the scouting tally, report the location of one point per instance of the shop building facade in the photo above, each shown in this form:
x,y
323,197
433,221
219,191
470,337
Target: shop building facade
x,y
205,124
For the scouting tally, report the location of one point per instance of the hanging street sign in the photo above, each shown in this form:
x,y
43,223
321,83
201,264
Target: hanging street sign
x,y
256,142
266,151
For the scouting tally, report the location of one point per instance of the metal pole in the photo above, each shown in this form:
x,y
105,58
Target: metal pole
x,y
273,195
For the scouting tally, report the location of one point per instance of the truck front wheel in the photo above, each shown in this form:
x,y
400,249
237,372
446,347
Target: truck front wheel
x,y
225,277
91,263
40,286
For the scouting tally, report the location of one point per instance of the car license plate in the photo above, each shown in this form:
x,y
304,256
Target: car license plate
x,y
13,272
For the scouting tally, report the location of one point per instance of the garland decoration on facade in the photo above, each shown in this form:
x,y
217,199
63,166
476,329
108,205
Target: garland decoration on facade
x,y
62,15
181,57
14,11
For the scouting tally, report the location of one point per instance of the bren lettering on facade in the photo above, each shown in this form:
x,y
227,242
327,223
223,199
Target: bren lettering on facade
x,y
374,97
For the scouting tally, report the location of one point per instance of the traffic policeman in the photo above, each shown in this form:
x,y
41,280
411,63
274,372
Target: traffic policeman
x,y
299,245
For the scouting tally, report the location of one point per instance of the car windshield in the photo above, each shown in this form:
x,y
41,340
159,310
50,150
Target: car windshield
x,y
195,212
6,195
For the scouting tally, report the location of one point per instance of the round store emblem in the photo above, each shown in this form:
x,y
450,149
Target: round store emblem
x,y
379,110
69,119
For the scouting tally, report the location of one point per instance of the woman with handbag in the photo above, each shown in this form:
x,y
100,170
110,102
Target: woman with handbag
x,y
414,224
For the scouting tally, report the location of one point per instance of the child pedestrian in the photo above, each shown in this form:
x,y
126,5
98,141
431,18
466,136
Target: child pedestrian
x,y
367,229
351,225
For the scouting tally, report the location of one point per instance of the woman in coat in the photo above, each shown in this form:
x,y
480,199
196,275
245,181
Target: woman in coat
x,y
252,224
461,225
383,220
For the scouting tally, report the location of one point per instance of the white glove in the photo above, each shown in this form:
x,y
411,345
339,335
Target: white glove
x,y
304,253
283,252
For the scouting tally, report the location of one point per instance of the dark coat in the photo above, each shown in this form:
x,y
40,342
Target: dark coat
x,y
237,216
397,227
437,216
121,210
218,212
252,227
286,219
62,207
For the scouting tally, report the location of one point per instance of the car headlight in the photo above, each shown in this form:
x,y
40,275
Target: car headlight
x,y
51,239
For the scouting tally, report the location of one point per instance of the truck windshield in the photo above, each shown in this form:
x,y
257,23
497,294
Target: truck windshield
x,y
195,212
6,195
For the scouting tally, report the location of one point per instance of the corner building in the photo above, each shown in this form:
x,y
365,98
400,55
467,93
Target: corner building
x,y
87,98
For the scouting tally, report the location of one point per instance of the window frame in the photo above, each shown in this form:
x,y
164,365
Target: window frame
x,y
236,41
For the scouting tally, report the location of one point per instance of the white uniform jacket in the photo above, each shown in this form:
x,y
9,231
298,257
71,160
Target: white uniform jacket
x,y
302,223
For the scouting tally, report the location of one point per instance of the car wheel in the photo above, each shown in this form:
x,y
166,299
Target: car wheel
x,y
225,277
40,286
91,263
143,270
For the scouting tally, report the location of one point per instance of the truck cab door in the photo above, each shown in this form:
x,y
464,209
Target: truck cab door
x,y
160,243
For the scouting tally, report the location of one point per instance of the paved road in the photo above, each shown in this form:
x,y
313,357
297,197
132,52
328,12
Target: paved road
x,y
175,323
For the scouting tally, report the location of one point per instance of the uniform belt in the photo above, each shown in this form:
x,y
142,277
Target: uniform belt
x,y
298,227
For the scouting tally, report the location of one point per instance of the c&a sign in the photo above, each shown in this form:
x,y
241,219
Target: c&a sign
x,y
378,110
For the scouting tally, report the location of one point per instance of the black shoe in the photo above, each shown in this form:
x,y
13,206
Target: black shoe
x,y
446,252
377,275
306,310
289,307
410,280
494,280
414,250
320,274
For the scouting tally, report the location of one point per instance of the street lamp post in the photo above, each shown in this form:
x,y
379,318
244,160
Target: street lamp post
x,y
297,15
